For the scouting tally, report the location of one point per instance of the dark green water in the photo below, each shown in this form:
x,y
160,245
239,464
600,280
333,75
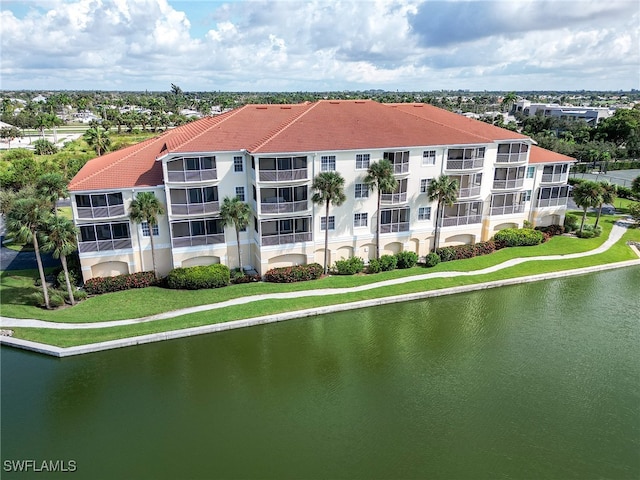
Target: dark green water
x,y
539,381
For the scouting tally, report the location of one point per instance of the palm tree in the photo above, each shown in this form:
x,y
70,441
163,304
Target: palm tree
x,y
444,189
25,222
380,177
51,187
98,138
587,194
235,211
146,208
60,239
608,194
508,99
329,189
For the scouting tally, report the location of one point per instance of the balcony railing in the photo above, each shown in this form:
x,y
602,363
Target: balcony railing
x,y
392,198
468,192
101,212
552,202
511,157
462,220
285,238
104,245
555,177
192,175
198,240
504,184
507,209
467,164
283,175
399,168
394,227
195,208
283,207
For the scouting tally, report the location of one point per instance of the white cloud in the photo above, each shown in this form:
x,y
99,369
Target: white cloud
x,y
321,44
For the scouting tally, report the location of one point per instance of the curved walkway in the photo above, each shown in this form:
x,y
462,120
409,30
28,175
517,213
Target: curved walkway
x,y
616,233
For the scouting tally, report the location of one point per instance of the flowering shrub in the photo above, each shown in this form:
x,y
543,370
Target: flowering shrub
x,y
518,237
247,278
298,273
406,259
349,266
552,230
460,252
99,285
202,276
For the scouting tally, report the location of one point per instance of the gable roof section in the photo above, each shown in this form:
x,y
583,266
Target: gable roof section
x,y
542,155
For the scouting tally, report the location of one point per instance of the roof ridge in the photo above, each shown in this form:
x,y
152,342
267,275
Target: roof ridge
x,y
281,128
131,150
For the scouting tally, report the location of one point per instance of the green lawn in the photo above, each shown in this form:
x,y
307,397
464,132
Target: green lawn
x,y
137,303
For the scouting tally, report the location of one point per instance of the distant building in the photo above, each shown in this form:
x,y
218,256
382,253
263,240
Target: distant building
x,y
268,156
592,115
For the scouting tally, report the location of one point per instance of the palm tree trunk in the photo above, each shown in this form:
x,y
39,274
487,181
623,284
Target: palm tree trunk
x,y
63,260
239,249
436,233
326,237
45,291
378,226
598,217
153,250
584,216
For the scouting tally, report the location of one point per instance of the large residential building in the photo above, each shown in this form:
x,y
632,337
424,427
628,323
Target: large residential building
x,y
268,155
591,115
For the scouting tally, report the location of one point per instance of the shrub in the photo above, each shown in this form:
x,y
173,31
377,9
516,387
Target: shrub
x,y
246,278
406,259
202,276
298,273
431,260
514,237
625,192
634,211
589,231
98,285
56,298
62,284
374,266
388,262
551,230
571,222
349,266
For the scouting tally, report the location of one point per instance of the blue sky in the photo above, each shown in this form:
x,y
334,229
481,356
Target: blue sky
x,y
319,45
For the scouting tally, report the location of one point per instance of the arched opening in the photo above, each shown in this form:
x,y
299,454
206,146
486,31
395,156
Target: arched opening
x,y
462,239
198,261
391,248
502,226
288,260
109,269
344,252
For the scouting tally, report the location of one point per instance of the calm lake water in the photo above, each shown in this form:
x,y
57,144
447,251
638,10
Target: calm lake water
x,y
539,381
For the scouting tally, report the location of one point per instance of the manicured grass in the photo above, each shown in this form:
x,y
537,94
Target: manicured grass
x,y
150,296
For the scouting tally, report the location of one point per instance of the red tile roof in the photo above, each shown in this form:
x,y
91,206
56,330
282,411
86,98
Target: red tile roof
x,y
325,125
541,155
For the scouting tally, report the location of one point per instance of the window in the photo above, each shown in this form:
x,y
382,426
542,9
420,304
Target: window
x,y
328,163
332,223
146,232
362,190
240,193
531,172
429,157
255,193
527,196
424,213
360,219
362,161
237,164
424,185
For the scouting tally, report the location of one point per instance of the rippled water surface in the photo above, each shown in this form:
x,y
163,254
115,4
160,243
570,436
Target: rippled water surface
x,y
526,382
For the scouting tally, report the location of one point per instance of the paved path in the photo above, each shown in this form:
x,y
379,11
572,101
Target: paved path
x,y
616,233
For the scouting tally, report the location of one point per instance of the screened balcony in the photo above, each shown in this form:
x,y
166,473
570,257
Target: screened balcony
x,y
192,169
193,233
508,178
101,205
283,200
553,196
468,185
463,213
283,169
104,236
285,231
512,153
399,195
194,201
399,160
394,220
507,203
465,158
555,173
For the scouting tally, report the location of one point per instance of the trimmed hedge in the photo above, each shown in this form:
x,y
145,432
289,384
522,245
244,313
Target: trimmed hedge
x,y
374,266
518,237
99,285
298,273
388,263
349,266
431,260
406,259
202,276
460,252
